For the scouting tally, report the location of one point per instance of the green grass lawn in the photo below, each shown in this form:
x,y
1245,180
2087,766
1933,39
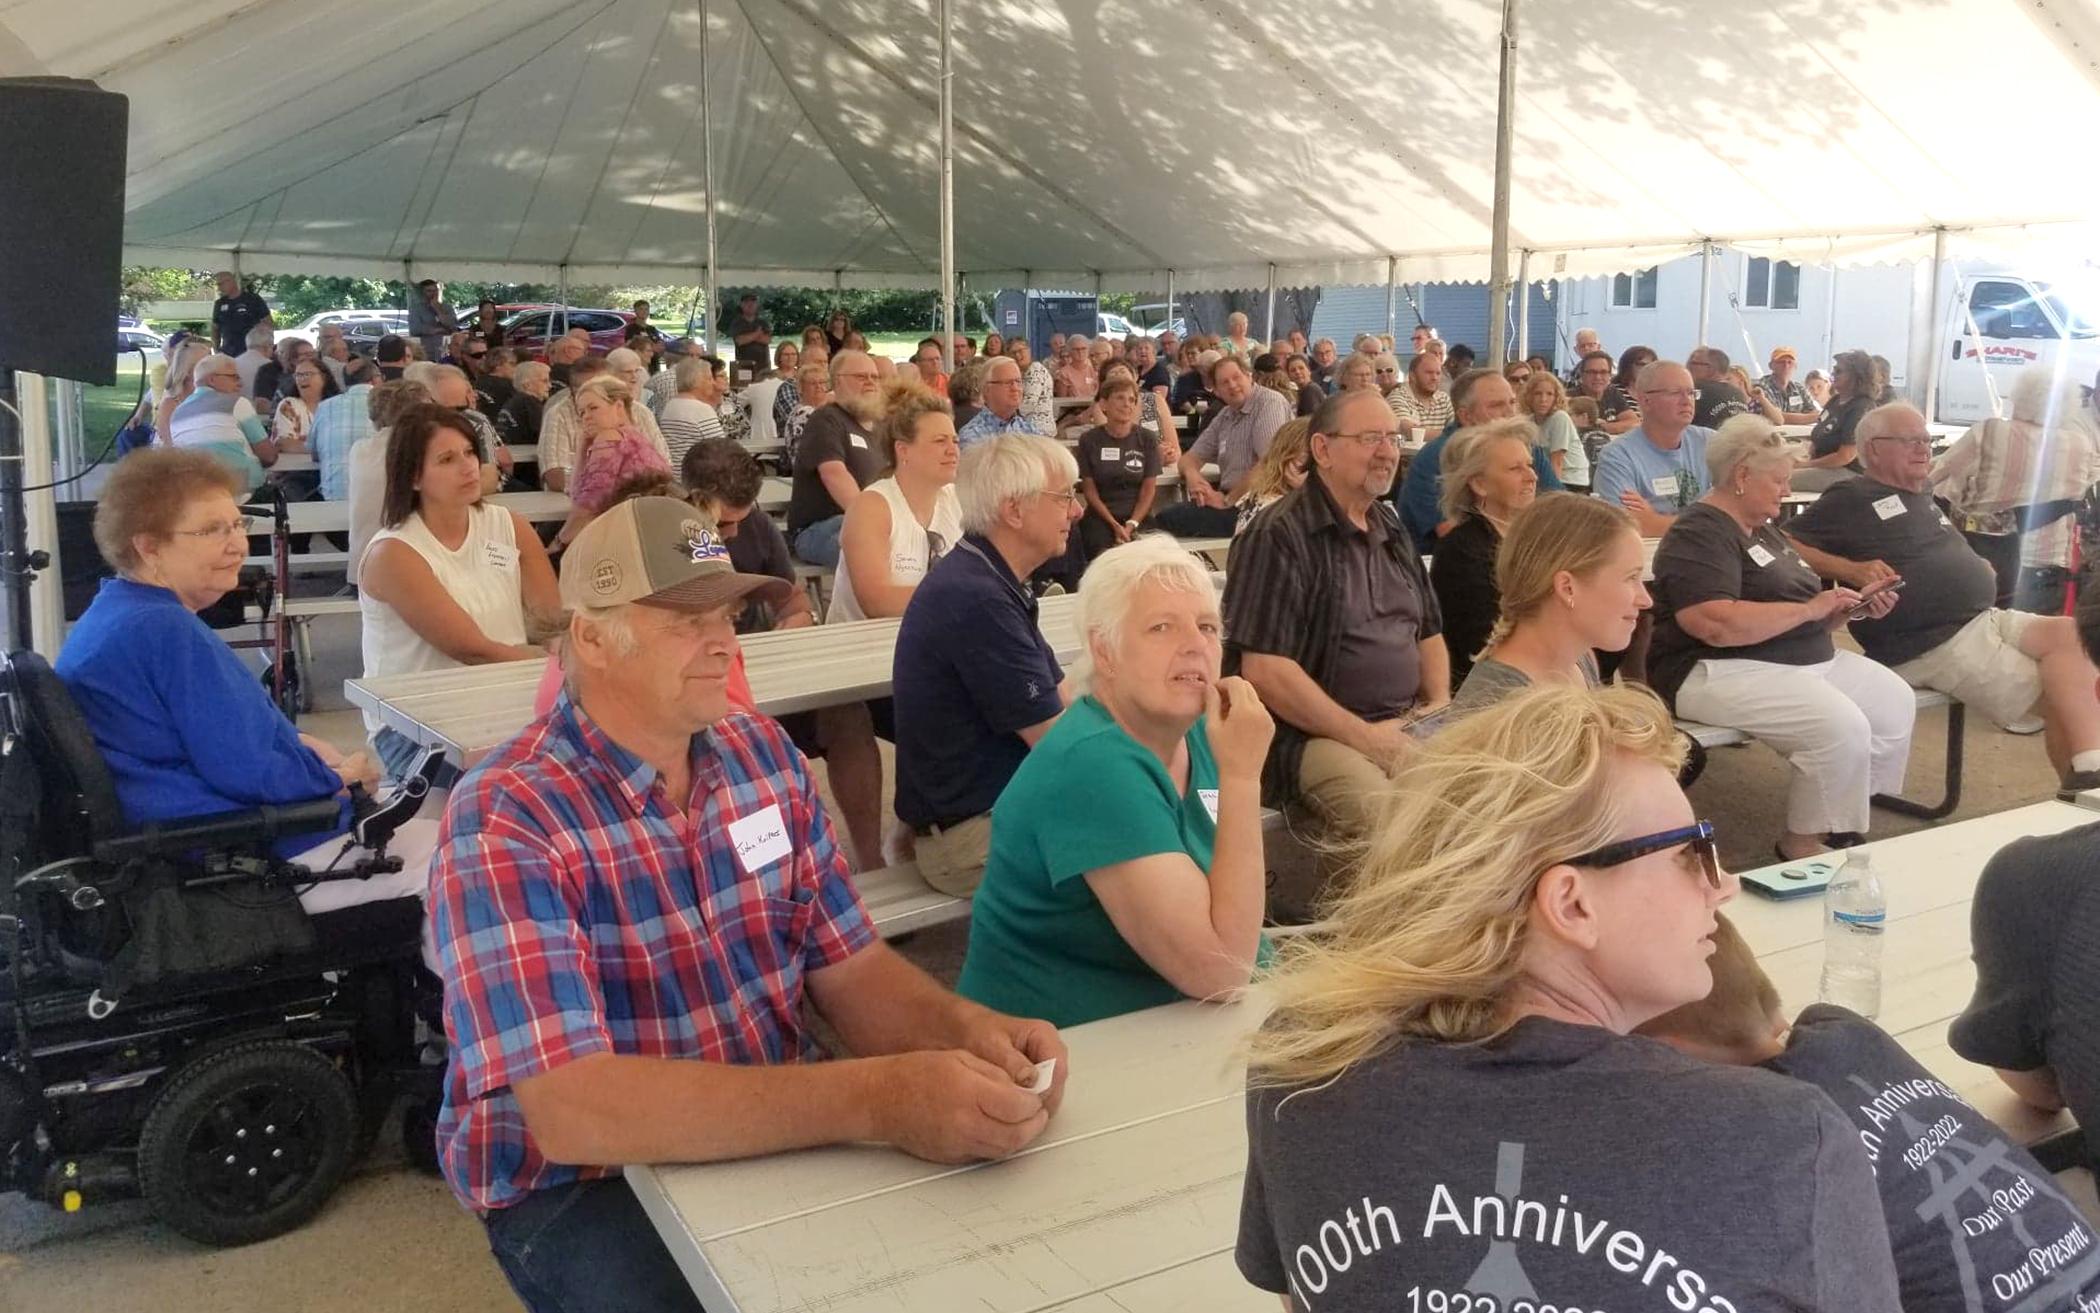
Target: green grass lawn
x,y
104,410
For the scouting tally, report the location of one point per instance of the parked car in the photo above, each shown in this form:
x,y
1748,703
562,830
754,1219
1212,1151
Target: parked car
x,y
1113,327
362,329
529,331
1153,316
131,337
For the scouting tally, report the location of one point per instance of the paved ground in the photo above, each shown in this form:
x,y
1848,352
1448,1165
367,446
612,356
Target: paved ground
x,y
396,1240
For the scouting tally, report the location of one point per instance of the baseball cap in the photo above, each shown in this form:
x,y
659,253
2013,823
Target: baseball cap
x,y
657,551
1784,353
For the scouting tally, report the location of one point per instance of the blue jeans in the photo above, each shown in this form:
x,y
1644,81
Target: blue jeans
x,y
587,1248
818,543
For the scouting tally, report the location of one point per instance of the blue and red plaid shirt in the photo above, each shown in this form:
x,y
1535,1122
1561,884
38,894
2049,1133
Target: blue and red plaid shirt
x,y
574,913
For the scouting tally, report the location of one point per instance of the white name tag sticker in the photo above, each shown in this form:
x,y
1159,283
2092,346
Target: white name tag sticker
x,y
1111,453
857,440
1760,555
1664,485
1889,507
502,556
1045,1075
1209,798
761,838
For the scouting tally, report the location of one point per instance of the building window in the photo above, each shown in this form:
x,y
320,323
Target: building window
x,y
1635,291
1771,284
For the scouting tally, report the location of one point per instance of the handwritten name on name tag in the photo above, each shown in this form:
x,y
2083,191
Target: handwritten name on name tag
x,y
760,839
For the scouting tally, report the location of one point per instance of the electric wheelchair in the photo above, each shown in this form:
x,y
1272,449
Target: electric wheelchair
x,y
172,1023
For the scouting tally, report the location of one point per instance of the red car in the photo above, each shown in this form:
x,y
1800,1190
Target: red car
x,y
529,330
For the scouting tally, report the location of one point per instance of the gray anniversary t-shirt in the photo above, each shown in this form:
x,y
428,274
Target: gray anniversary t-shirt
x,y
1560,1167
1977,1225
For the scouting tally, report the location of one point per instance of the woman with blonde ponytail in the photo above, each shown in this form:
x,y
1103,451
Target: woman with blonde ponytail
x,y
1569,577
1446,1098
892,538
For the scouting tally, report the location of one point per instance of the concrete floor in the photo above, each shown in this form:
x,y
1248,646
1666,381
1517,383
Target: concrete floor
x,y
393,1239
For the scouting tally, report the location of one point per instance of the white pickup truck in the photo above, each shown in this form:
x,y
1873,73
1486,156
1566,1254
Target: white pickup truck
x,y
1997,324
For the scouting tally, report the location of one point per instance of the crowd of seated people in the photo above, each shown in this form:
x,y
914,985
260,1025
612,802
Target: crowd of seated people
x,y
639,903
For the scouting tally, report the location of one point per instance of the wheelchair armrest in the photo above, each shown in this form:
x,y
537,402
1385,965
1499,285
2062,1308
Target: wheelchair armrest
x,y
221,829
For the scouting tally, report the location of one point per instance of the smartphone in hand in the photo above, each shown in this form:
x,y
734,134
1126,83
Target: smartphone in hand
x,y
1890,584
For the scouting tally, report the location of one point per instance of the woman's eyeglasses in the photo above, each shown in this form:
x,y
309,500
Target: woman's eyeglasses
x,y
1698,836
230,529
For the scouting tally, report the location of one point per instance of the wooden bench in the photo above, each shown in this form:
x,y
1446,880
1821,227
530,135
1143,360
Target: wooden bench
x,y
900,901
1721,736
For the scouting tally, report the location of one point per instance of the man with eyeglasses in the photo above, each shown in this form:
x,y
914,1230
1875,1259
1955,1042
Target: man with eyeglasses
x,y
1947,631
835,458
1329,614
976,683
216,417
1001,408
1782,389
1478,396
1236,438
1658,468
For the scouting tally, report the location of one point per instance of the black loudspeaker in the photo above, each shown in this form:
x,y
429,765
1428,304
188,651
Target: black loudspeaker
x,y
61,226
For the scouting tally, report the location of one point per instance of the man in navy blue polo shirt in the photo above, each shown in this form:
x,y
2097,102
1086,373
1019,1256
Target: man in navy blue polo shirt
x,y
975,682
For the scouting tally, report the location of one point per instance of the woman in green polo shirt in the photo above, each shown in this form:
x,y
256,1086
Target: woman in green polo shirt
x,y
1126,855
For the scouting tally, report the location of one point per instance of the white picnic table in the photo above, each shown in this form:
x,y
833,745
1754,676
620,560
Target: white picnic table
x,y
469,710
1130,1201
312,517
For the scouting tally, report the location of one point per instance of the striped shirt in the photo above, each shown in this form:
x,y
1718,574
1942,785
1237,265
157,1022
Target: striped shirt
x,y
575,911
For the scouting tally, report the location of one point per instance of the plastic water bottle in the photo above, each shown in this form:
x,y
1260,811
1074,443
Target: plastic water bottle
x,y
1855,911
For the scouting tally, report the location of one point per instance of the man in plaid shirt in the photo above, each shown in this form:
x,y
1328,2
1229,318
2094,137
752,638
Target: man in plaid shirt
x,y
631,901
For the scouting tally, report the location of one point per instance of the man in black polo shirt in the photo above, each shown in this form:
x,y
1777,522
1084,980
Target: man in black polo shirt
x,y
1945,633
237,310
836,458
2035,932
1718,399
1329,614
975,682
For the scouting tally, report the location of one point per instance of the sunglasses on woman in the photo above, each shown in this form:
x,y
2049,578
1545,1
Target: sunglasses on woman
x,y
1698,836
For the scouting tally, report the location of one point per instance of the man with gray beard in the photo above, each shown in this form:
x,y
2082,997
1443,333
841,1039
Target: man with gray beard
x,y
836,457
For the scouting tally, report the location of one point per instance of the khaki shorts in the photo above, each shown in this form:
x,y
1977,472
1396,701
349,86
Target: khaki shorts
x,y
952,860
1984,667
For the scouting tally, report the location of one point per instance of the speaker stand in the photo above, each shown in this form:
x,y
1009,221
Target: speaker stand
x,y
18,564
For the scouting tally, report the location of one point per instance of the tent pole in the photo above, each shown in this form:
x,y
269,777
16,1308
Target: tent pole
x,y
707,169
1268,332
947,188
1505,136
561,293
1392,280
1523,305
1169,325
1706,286
1932,334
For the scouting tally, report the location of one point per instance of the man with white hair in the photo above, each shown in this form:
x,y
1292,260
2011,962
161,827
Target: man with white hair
x,y
1946,631
1586,343
635,904
262,350
1001,411
237,311
975,682
625,364
835,457
218,417
561,429
690,416
1330,615
1325,360
663,384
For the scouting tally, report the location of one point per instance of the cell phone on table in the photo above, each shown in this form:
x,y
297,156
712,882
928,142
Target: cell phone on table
x,y
1810,875
1889,584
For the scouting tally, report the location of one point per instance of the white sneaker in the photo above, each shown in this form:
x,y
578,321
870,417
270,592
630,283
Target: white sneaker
x,y
2025,725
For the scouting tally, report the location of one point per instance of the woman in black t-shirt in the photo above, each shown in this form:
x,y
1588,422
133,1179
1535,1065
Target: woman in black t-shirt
x,y
1742,639
1488,477
1830,444
1118,469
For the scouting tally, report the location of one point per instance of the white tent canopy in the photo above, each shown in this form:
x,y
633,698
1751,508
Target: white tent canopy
x,y
1098,142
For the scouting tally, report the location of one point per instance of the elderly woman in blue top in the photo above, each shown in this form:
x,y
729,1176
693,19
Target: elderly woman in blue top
x,y
1126,854
185,727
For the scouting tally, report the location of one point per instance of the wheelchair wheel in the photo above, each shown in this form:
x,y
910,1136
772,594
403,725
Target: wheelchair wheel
x,y
247,1143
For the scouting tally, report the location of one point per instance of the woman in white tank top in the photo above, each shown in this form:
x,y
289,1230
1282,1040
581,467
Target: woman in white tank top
x,y
901,524
450,579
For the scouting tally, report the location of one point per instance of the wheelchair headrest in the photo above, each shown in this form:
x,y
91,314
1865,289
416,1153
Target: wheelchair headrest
x,y
73,779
